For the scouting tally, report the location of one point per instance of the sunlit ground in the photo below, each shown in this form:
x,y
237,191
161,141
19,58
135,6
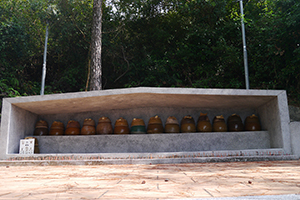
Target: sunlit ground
x,y
201,180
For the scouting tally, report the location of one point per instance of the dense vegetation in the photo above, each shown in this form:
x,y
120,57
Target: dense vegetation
x,y
161,43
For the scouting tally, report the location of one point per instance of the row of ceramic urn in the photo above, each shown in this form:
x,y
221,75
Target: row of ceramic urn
x,y
155,125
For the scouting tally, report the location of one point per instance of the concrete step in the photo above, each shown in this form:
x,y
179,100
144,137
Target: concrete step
x,y
149,158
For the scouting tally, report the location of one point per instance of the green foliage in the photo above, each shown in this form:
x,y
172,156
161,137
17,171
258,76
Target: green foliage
x,y
273,42
22,30
6,90
162,43
174,43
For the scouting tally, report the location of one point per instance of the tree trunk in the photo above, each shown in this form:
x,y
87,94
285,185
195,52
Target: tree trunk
x,y
96,44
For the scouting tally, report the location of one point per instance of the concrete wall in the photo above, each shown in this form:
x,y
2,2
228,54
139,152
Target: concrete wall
x,y
151,143
274,117
295,137
21,126
20,114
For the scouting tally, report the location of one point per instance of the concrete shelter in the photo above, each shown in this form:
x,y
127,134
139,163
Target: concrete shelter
x,y
20,114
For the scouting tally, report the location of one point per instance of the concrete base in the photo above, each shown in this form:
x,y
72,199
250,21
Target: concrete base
x,y
179,142
145,161
150,158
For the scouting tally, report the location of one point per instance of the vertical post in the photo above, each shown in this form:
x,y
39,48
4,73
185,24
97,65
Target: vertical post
x,y
96,47
44,62
244,46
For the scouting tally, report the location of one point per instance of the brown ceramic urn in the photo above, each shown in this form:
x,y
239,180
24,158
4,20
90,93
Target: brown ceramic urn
x,y
252,123
188,124
104,126
219,124
121,126
172,125
88,127
155,125
234,123
41,128
203,124
57,128
73,128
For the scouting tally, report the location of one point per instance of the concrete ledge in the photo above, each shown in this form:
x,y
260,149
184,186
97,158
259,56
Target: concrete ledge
x,y
146,161
148,158
155,142
82,156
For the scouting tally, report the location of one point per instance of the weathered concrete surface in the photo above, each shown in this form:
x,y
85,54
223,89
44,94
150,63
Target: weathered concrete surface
x,y
143,97
131,161
295,137
148,158
131,143
273,112
178,181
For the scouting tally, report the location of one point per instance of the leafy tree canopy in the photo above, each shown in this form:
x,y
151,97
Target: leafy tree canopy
x,y
160,43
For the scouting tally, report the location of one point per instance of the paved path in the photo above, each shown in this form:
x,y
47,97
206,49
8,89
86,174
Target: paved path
x,y
167,181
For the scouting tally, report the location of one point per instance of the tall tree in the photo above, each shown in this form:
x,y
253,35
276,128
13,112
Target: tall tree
x,y
96,43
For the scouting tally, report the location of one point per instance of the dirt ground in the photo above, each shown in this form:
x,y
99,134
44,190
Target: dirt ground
x,y
173,181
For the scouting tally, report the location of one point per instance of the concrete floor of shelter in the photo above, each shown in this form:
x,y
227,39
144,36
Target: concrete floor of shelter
x,y
162,181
